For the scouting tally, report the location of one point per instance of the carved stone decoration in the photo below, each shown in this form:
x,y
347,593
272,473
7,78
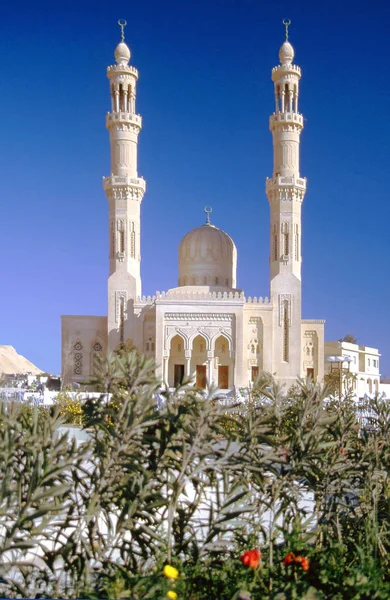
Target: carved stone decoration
x,y
77,358
310,348
120,300
282,298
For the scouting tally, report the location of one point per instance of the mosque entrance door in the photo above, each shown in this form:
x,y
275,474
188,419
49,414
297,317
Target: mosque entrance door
x,y
178,375
223,377
201,376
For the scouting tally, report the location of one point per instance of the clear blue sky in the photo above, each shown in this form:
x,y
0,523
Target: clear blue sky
x,y
205,95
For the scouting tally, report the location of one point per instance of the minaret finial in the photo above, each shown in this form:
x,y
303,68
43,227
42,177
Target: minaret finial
x,y
208,210
122,24
286,23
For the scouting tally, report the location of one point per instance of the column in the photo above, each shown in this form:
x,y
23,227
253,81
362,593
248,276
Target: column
x,y
165,369
187,355
210,358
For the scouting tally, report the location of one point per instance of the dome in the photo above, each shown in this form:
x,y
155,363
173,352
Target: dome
x,y
122,54
286,53
207,257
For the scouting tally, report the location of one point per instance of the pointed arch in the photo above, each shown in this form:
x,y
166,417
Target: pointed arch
x,y
223,360
228,337
198,366
176,362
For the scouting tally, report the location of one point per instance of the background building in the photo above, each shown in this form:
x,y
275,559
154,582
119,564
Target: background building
x,y
363,365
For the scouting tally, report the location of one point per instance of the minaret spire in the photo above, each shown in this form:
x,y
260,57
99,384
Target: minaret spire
x,y
285,191
124,190
286,23
122,24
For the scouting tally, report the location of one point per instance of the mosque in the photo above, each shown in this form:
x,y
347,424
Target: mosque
x,y
206,327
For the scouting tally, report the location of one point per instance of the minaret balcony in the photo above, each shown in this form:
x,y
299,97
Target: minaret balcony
x,y
273,183
120,69
123,117
281,70
285,117
117,181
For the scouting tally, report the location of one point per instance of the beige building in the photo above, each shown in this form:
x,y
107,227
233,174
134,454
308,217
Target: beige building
x,y
206,327
361,361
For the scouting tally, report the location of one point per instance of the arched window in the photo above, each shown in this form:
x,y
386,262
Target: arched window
x,y
285,331
132,240
286,239
120,226
296,243
112,237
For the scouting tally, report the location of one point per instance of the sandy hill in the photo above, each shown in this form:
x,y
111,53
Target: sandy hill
x,y
12,362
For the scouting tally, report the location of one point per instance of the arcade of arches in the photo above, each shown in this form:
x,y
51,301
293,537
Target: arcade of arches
x,y
200,359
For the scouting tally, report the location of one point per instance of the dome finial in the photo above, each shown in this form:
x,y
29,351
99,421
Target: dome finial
x,y
208,210
286,23
122,24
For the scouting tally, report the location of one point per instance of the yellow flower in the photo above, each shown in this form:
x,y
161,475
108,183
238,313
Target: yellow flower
x,y
170,572
172,595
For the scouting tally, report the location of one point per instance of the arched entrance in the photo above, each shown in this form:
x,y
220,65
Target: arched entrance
x,y
176,363
199,361
223,363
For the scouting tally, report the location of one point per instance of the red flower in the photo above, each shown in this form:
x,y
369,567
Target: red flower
x,y
251,558
288,559
299,560
305,564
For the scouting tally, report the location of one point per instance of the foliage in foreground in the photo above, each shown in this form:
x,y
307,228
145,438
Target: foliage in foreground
x,y
196,485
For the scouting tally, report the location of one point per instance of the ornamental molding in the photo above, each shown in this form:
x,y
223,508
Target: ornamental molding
x,y
255,321
310,334
179,316
115,126
313,321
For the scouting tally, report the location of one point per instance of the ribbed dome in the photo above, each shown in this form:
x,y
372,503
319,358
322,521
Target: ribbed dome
x,y
207,256
286,53
122,54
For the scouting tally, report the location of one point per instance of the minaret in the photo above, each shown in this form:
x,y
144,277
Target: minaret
x,y
285,191
124,190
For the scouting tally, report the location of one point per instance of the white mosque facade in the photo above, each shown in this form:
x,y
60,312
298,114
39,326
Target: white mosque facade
x,y
206,327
